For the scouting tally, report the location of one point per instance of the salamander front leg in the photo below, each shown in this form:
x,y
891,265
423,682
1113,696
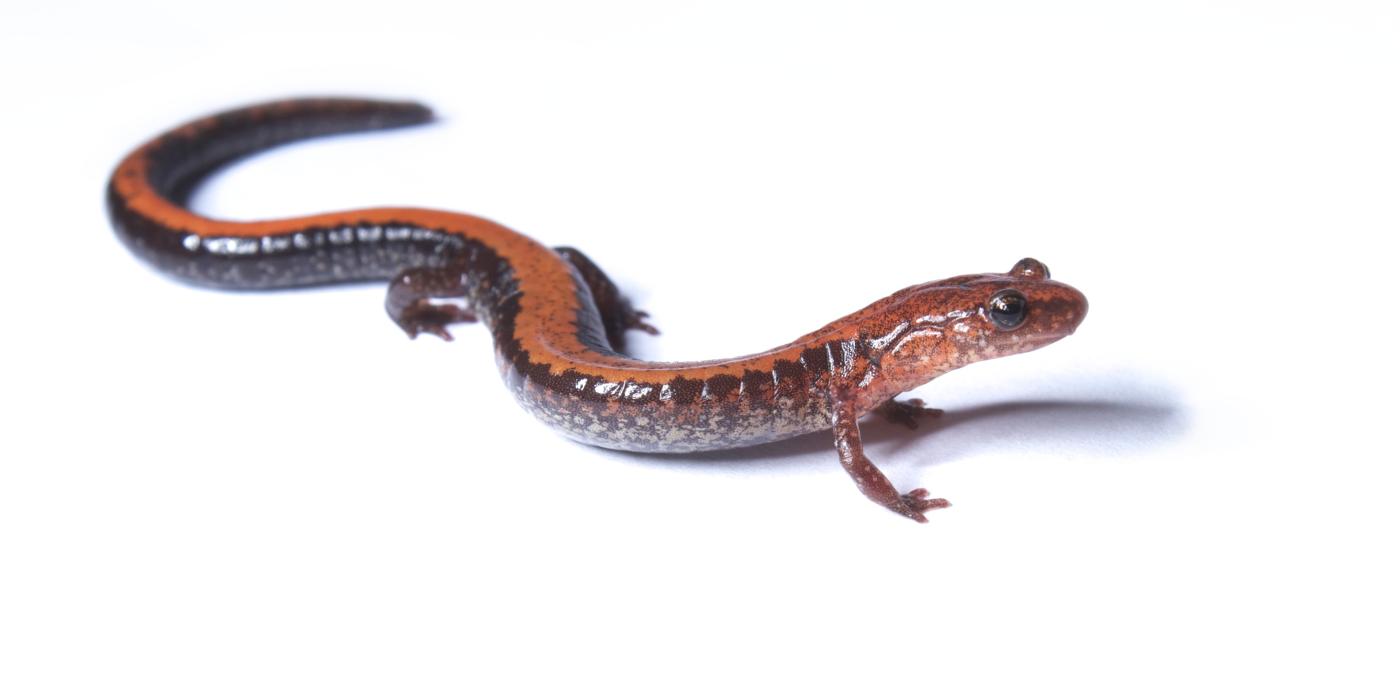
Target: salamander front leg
x,y
871,481
414,300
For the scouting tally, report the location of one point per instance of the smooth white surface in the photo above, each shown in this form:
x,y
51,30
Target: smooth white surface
x,y
223,495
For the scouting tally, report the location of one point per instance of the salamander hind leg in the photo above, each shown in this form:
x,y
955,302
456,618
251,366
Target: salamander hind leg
x,y
618,314
906,412
418,300
869,479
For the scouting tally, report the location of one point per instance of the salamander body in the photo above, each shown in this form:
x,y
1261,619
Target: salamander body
x,y
558,322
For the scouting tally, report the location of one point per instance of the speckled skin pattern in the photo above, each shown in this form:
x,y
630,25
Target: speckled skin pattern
x,y
558,322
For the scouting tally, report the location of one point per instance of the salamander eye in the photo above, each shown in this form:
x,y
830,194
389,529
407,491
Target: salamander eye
x,y
1030,267
1008,309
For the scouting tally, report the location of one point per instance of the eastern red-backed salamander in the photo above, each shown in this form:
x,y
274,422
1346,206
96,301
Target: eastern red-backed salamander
x,y
558,322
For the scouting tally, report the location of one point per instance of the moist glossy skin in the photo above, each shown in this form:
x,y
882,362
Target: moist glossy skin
x,y
557,321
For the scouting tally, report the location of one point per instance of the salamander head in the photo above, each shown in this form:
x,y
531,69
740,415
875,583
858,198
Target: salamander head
x,y
954,322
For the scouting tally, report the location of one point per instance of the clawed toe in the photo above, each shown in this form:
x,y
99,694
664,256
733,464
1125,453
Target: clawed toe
x,y
635,322
917,502
426,317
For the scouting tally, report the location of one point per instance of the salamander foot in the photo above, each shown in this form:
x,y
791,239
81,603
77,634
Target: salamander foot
x,y
424,316
912,505
906,412
633,321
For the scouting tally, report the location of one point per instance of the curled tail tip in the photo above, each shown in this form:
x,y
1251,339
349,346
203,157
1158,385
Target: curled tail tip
x,y
385,113
372,112
413,112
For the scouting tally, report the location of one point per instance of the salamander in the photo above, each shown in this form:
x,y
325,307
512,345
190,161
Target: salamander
x,y
558,322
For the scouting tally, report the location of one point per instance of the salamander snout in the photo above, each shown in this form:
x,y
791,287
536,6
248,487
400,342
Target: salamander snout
x,y
1030,310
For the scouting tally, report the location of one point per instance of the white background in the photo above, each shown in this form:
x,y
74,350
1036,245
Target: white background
x,y
219,495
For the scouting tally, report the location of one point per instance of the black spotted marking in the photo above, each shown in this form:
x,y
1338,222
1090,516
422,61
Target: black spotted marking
x,y
686,391
816,360
721,386
571,382
790,378
758,386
